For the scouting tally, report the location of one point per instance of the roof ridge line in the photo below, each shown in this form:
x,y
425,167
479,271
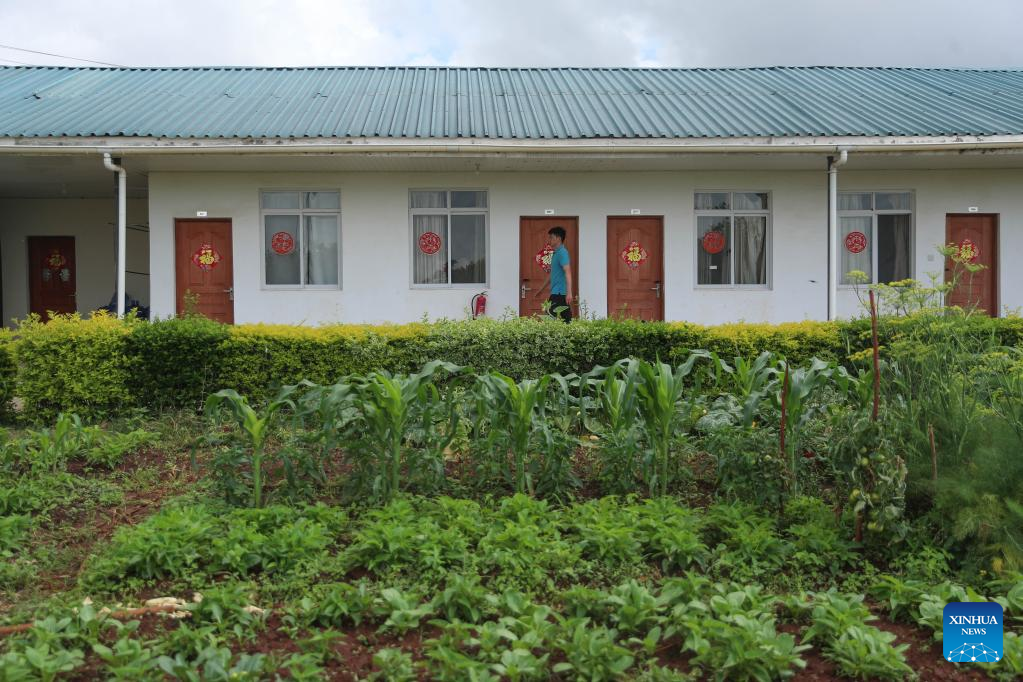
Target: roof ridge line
x,y
804,67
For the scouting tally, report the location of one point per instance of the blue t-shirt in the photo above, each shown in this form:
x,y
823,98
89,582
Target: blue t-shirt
x,y
558,262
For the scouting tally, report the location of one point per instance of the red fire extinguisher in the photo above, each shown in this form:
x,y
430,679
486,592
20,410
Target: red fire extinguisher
x,y
479,305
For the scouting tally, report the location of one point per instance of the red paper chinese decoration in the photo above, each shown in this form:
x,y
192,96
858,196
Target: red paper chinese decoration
x,y
967,251
206,257
634,255
429,243
543,257
282,243
714,242
855,242
56,265
56,260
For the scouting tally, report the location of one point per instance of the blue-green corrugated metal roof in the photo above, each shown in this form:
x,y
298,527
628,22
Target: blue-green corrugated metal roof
x,y
555,103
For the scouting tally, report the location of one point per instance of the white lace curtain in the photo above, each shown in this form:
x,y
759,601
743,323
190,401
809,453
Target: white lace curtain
x,y
751,250
430,268
321,249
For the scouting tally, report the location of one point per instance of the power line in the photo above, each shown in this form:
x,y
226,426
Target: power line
x,y
61,56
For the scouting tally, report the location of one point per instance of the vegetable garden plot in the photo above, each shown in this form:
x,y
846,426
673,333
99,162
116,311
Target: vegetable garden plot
x,y
644,520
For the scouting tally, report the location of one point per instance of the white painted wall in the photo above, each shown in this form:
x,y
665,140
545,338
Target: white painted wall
x,y
939,192
376,246
91,223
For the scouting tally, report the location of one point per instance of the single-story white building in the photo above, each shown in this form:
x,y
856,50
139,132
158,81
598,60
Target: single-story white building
x,y
320,195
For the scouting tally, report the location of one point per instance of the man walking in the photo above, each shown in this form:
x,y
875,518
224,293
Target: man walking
x,y
560,301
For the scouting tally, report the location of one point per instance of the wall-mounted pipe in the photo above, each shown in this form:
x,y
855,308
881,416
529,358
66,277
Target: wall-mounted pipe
x,y
122,228
833,256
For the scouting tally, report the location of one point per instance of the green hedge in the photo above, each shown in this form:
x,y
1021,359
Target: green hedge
x,y
7,369
175,362
70,364
98,366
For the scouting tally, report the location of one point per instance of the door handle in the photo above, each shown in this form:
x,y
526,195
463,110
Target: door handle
x,y
230,293
657,288
523,289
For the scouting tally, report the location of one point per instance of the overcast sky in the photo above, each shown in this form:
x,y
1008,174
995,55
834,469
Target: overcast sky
x,y
688,33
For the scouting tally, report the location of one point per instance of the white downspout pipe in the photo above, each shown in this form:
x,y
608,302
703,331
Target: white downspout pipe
x,y
122,228
833,257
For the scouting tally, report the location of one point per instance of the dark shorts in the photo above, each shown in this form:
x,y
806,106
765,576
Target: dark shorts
x,y
558,301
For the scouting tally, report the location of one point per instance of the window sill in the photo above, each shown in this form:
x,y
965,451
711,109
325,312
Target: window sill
x,y
434,287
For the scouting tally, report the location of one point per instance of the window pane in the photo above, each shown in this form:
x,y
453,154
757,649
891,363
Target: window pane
x,y
429,199
282,255
468,249
712,201
322,200
713,268
427,267
859,258
321,239
280,199
860,201
751,249
894,248
463,199
891,201
749,201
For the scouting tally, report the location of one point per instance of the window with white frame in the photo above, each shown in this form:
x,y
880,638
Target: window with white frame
x,y
875,235
449,237
301,239
733,235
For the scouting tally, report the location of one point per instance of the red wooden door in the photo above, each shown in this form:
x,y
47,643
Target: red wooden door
x,y
980,289
635,267
51,273
204,268
533,272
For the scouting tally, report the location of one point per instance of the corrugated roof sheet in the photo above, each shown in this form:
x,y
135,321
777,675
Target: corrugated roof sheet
x,y
555,103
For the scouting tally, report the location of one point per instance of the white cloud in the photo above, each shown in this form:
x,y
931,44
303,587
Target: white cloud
x,y
519,32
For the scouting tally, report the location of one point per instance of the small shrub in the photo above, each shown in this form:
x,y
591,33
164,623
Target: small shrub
x,y
592,652
338,605
605,531
12,532
393,665
866,653
670,534
733,634
401,538
176,362
191,543
8,370
73,365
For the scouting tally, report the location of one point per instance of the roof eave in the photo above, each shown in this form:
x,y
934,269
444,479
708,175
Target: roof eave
x,y
124,145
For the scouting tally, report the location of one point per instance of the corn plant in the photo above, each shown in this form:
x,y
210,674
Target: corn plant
x,y
254,425
794,400
49,449
515,409
660,390
392,406
612,414
556,440
329,410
